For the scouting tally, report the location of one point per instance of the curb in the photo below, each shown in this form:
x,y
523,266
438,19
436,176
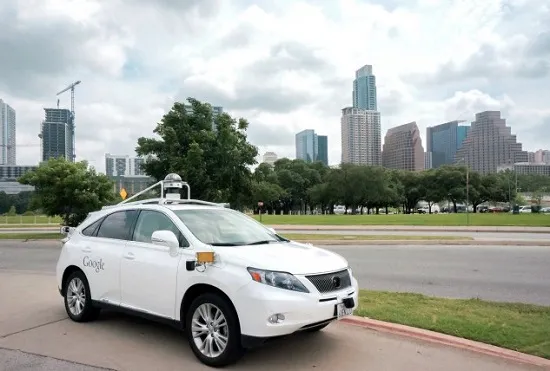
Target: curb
x,y
453,341
412,228
427,242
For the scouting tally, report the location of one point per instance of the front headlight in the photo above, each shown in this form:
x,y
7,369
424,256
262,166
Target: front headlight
x,y
281,280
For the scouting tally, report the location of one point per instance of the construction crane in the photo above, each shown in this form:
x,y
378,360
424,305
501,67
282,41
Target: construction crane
x,y
71,88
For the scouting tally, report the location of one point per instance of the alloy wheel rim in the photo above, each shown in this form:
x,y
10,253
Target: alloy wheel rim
x,y
76,296
210,330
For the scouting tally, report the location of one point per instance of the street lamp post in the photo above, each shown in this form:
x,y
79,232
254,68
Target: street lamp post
x,y
467,195
463,159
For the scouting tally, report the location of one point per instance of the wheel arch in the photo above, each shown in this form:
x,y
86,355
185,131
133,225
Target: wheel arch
x,y
66,274
202,288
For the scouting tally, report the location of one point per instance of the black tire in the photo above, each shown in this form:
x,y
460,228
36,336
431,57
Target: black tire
x,y
233,350
89,312
317,328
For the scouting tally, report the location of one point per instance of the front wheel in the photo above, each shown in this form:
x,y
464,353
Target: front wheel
x,y
78,302
213,331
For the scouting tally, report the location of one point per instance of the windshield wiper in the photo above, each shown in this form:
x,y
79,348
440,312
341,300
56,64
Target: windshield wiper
x,y
264,242
223,244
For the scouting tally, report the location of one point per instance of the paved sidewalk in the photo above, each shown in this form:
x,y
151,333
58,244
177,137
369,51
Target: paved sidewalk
x,y
34,321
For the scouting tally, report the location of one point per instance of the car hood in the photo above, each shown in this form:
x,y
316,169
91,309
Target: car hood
x,y
292,257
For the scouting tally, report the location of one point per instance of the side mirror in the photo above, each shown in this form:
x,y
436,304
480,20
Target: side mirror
x,y
166,238
65,230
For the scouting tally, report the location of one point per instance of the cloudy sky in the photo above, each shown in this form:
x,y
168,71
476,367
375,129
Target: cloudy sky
x,y
285,65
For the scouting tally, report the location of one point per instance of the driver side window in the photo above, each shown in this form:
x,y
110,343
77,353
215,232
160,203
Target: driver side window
x,y
150,221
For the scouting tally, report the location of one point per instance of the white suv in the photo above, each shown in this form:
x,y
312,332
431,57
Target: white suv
x,y
226,279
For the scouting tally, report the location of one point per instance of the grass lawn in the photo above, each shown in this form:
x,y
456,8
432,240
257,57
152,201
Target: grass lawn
x,y
30,226
27,219
342,237
520,327
31,236
485,219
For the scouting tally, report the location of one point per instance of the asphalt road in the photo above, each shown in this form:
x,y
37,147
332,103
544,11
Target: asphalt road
x,y
501,273
495,236
498,236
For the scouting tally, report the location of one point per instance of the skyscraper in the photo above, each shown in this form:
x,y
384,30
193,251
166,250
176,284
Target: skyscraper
x,y
123,165
490,144
403,148
361,136
442,142
310,147
322,149
56,135
270,158
542,156
364,89
7,134
216,111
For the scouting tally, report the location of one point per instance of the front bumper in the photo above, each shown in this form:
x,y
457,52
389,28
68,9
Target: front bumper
x,y
256,302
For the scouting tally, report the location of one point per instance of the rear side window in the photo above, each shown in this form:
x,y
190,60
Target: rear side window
x,y
117,225
90,230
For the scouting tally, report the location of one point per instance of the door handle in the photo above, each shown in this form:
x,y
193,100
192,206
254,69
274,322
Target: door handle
x,y
129,256
86,249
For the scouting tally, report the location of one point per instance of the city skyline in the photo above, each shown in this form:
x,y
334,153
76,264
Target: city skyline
x,y
280,78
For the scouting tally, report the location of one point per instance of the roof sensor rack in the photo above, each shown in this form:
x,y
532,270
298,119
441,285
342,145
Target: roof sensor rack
x,y
170,189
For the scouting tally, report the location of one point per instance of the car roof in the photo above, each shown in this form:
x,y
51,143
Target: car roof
x,y
155,206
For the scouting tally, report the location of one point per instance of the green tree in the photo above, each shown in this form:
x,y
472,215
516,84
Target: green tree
x,y
211,153
432,191
70,190
268,193
296,177
393,193
452,180
413,189
12,211
538,196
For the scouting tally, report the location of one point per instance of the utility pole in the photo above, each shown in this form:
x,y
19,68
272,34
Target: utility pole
x,y
71,88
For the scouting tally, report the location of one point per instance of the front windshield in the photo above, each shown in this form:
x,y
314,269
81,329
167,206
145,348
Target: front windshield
x,y
225,227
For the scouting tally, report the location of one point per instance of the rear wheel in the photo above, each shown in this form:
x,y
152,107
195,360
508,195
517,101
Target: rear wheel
x,y
78,302
213,331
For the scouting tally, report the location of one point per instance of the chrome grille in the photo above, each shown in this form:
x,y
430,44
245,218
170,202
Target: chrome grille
x,y
329,282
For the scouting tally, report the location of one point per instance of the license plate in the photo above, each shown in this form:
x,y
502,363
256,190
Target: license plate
x,y
342,311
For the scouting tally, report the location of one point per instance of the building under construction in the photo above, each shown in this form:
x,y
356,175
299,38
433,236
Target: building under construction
x,y
57,134
7,134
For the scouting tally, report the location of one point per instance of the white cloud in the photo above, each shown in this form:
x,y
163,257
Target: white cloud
x,y
286,66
